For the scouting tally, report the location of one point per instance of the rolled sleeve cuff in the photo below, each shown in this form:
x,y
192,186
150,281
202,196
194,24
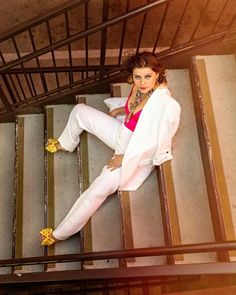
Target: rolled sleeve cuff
x,y
162,158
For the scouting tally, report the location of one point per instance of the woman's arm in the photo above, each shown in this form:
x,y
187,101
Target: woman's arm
x,y
117,111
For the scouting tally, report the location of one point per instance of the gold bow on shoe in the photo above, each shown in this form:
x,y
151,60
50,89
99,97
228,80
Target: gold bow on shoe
x,y
51,145
47,241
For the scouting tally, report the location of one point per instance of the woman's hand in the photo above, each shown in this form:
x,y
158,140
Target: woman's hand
x,y
115,162
117,111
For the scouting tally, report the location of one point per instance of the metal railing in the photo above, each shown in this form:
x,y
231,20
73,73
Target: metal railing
x,y
26,81
118,273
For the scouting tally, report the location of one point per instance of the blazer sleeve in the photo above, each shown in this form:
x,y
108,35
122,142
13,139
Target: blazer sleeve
x,y
167,130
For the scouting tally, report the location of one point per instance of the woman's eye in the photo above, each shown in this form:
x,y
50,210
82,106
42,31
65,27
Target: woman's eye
x,y
148,77
136,77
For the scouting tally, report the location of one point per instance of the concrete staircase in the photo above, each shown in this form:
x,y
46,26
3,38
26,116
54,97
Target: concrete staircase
x,y
38,189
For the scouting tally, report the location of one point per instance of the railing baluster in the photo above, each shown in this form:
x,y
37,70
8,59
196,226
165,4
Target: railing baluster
x,y
229,27
32,83
105,16
14,86
161,26
142,28
52,52
181,18
42,77
28,83
9,89
199,20
219,16
86,38
22,66
19,84
4,99
15,46
123,33
2,58
17,77
69,47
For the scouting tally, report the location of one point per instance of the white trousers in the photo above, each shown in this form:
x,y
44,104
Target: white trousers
x,y
114,134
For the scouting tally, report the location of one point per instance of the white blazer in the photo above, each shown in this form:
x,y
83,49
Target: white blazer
x,y
150,143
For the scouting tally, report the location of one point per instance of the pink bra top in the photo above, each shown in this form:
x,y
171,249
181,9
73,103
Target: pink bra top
x,y
131,124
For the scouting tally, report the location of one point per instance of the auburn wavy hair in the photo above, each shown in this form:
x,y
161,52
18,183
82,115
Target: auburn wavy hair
x,y
145,60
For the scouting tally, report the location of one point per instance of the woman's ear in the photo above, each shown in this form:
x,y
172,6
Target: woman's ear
x,y
130,79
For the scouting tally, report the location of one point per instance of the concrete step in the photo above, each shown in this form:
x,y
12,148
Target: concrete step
x,y
216,82
62,185
103,232
141,210
7,156
29,216
188,173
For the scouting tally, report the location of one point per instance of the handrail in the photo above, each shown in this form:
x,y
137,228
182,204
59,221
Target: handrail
x,y
118,254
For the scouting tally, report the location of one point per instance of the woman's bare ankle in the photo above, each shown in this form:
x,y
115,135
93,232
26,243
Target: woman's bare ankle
x,y
52,236
59,147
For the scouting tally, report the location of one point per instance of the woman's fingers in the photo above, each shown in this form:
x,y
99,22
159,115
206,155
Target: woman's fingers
x,y
115,162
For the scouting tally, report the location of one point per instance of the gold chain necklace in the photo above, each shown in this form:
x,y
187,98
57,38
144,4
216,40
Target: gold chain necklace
x,y
139,97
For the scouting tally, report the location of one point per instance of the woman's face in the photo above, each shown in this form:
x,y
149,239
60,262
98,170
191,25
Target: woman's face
x,y
144,79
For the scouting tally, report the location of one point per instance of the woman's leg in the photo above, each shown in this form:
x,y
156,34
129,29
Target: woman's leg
x,y
104,185
83,117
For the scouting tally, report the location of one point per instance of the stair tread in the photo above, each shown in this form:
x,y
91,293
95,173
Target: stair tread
x,y
7,156
30,186
64,185
188,174
146,220
106,227
217,83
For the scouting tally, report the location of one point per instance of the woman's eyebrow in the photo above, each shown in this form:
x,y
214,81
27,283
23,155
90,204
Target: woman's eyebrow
x,y
144,74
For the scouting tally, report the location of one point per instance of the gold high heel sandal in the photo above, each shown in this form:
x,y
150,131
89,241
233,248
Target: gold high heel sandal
x,y
47,241
51,145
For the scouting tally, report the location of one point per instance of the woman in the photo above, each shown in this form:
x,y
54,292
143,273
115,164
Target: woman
x,y
142,141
